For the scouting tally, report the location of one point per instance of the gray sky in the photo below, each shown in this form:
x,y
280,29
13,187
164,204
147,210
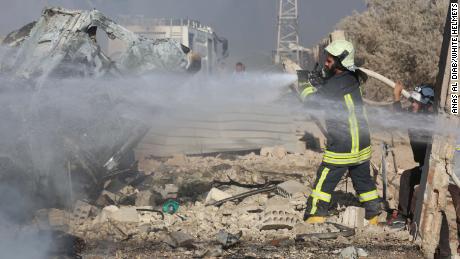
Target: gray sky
x,y
249,25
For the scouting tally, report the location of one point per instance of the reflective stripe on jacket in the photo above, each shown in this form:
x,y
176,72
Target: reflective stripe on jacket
x,y
348,138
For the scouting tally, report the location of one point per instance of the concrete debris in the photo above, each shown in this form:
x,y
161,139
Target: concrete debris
x,y
58,219
362,253
249,208
180,239
265,218
274,220
352,253
107,198
282,242
82,211
113,213
278,152
349,253
227,239
143,198
277,204
216,195
125,214
170,191
353,217
291,188
212,251
63,42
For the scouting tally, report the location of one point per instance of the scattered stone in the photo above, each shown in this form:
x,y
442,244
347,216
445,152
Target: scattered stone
x,y
227,239
143,198
349,253
107,198
282,242
180,239
276,152
343,240
171,191
362,253
302,228
209,251
214,251
353,217
127,191
216,195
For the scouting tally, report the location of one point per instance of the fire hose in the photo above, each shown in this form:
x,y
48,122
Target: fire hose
x,y
384,80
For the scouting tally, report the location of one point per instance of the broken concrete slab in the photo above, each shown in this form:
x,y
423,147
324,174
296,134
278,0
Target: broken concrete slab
x,y
216,195
113,213
125,214
291,188
107,198
58,219
274,220
170,191
180,239
349,253
353,217
82,210
143,198
227,239
277,204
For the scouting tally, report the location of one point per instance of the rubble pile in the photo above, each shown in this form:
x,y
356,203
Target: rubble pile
x,y
131,207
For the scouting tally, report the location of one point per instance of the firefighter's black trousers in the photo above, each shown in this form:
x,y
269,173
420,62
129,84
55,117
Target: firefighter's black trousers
x,y
328,177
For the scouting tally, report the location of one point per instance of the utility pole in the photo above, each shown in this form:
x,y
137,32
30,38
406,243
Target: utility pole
x,y
288,36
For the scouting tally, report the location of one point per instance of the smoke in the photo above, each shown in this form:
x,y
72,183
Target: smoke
x,y
43,126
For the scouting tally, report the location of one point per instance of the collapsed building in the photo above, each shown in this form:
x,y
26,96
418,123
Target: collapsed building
x,y
200,38
62,44
63,40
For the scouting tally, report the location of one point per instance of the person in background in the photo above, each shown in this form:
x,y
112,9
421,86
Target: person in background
x,y
240,68
421,104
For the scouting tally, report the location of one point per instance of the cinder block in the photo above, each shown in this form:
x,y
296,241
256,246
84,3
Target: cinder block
x,y
353,217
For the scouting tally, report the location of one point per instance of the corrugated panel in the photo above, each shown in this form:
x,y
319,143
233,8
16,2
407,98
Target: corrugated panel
x,y
244,128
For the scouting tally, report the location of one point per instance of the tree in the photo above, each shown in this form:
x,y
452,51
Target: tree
x,y
400,39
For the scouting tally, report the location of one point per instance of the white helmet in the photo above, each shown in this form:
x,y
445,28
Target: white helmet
x,y
344,51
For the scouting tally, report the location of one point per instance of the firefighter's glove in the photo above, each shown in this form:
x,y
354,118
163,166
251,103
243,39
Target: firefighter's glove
x,y
306,90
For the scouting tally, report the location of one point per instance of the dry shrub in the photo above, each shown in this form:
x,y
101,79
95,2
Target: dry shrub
x,y
400,39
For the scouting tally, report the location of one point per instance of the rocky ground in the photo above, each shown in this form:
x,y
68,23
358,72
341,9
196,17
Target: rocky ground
x,y
127,221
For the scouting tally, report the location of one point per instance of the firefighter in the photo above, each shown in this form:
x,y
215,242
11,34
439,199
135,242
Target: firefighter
x,y
422,99
348,138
